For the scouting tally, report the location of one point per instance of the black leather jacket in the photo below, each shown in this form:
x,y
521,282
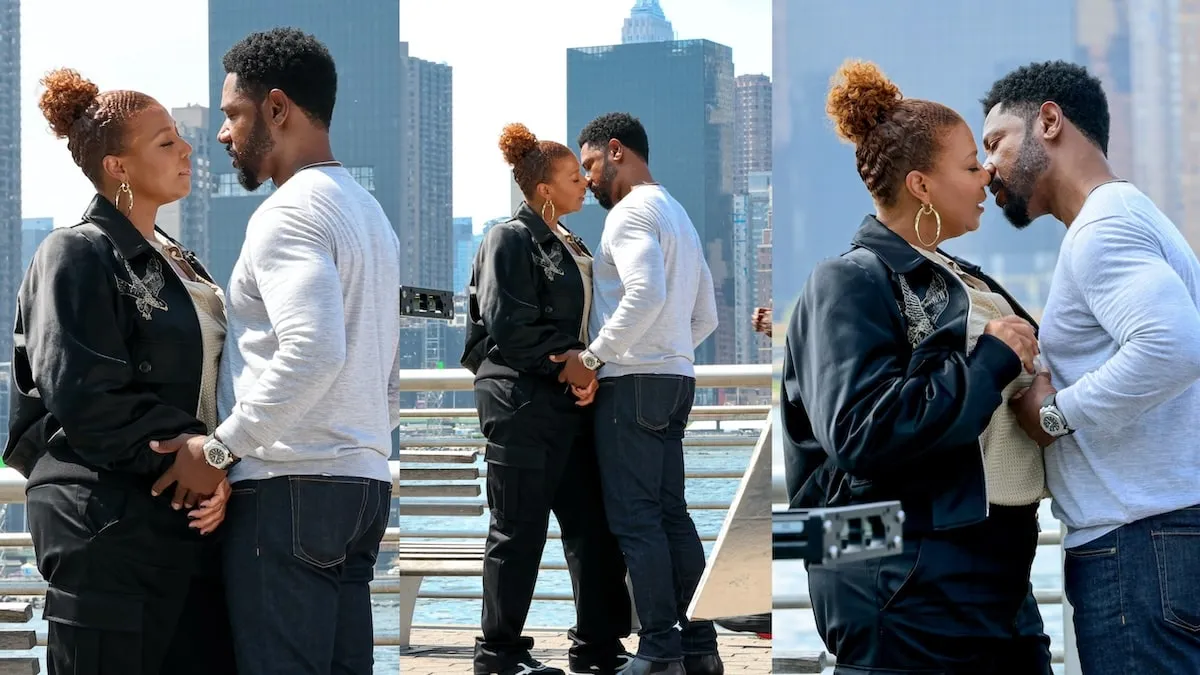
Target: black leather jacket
x,y
107,356
880,399
526,300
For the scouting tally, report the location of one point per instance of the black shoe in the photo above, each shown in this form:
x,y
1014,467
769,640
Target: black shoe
x,y
703,664
610,665
754,623
532,666
644,667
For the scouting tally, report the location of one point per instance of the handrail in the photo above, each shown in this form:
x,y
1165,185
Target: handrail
x,y
461,379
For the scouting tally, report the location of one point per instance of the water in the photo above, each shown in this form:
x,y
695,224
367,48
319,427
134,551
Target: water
x,y
551,614
795,629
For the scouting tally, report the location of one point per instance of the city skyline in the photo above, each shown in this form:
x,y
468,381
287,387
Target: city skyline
x,y
53,187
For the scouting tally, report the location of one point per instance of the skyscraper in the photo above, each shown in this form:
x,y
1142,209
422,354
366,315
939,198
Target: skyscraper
x,y
464,253
751,128
1155,37
1105,49
429,168
187,219
33,232
647,23
368,126
1189,104
11,270
683,94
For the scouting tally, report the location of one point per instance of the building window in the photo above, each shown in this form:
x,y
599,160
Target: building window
x,y
365,175
227,185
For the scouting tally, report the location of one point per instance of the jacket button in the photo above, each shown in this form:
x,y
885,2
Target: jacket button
x,y
144,367
549,309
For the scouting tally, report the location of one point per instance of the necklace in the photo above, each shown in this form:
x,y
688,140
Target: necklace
x,y
328,162
1115,180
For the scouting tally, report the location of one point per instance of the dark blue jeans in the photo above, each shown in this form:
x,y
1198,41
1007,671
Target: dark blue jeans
x,y
640,420
300,553
1136,596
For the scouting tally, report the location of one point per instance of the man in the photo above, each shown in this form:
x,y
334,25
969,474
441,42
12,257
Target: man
x,y
1121,338
309,378
653,304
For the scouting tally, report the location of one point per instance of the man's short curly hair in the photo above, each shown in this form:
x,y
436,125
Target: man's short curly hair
x,y
291,61
620,126
1079,94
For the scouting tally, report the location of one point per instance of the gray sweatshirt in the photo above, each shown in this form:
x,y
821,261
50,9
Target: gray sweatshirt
x,y
309,379
652,292
1121,336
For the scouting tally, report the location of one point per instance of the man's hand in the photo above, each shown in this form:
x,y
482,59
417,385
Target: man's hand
x,y
574,371
193,478
586,395
1027,405
212,510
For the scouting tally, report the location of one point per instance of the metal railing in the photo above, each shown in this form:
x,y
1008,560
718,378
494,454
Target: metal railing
x,y
12,484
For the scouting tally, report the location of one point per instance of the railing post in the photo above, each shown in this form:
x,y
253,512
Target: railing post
x,y
1070,654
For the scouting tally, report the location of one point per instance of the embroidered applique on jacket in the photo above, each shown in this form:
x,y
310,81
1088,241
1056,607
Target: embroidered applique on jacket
x,y
922,314
551,263
145,290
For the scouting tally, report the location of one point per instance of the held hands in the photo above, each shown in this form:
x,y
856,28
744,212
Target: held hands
x,y
1018,334
212,510
193,477
1027,406
582,380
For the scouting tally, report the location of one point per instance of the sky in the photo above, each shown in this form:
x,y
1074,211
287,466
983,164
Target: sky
x,y
500,51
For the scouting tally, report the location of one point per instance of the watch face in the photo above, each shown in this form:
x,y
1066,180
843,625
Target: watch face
x,y
1052,424
591,362
217,456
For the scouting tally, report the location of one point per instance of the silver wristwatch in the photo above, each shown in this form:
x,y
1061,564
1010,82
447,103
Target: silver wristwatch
x,y
1053,421
590,360
217,455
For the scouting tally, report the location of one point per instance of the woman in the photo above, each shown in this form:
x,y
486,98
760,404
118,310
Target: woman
x,y
529,300
899,362
118,336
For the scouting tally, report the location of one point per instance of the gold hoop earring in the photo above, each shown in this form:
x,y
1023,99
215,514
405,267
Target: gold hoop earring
x,y
553,212
124,189
928,209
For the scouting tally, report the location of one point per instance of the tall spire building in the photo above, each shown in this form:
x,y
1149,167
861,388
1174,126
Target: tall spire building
x,y
647,23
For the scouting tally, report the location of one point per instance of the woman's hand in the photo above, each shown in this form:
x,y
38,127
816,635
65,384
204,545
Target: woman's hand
x,y
586,394
212,510
1018,334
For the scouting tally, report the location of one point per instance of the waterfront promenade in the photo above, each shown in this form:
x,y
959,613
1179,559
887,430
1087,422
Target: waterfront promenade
x,y
424,617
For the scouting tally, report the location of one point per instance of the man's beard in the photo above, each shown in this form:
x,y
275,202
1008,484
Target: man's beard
x,y
602,190
249,157
1018,189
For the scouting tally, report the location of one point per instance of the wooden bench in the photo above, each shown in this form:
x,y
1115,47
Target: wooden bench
x,y
441,474
17,636
793,662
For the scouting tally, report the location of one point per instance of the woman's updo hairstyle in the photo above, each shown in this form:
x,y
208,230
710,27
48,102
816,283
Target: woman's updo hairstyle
x,y
93,122
531,160
892,135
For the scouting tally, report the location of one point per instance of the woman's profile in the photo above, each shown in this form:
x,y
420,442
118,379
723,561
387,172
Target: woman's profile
x,y
118,335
